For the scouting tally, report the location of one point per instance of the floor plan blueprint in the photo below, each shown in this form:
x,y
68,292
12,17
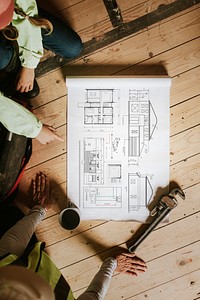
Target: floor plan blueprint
x,y
118,145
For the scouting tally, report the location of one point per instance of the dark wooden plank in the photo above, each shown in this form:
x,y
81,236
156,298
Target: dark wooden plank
x,y
161,13
114,12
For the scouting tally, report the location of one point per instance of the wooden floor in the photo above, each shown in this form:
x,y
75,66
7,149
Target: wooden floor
x,y
156,37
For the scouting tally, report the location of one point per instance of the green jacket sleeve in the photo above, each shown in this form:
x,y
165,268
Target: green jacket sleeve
x,y
18,119
30,38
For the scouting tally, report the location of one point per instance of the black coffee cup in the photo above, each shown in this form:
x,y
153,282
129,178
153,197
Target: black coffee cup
x,y
70,218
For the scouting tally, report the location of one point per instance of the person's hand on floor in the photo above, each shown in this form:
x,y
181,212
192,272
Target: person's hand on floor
x,y
41,191
48,134
129,263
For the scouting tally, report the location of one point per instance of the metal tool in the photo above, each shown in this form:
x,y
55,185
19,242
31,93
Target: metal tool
x,y
160,211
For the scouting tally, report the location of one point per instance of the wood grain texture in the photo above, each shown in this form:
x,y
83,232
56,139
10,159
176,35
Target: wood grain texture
x,y
170,46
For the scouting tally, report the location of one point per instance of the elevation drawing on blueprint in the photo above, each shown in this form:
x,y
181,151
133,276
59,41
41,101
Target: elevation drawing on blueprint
x,y
118,145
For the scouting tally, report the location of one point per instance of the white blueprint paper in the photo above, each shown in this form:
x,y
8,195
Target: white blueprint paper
x,y
118,145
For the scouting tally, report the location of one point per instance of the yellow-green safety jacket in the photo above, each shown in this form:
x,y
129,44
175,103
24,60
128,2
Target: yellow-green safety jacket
x,y
36,259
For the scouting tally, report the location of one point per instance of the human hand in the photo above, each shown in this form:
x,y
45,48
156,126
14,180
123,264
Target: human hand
x,y
41,191
25,79
129,263
47,134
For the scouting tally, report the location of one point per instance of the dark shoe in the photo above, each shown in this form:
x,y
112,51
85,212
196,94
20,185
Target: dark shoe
x,y
34,92
7,85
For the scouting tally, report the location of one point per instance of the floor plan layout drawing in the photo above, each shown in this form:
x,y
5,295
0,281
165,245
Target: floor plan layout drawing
x,y
98,108
118,145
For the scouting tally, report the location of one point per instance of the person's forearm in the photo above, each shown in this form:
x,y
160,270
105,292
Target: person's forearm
x,y
101,281
16,239
17,119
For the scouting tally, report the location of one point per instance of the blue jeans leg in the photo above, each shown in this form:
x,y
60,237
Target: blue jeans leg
x,y
6,52
63,41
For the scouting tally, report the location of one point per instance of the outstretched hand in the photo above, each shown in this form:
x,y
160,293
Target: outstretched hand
x,y
48,134
129,263
41,191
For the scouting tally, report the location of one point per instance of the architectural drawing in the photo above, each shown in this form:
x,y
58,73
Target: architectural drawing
x,y
95,197
117,147
114,173
93,161
99,106
142,122
139,191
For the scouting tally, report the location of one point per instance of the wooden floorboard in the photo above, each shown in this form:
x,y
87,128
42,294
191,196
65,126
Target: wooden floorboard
x,y
169,45
105,37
